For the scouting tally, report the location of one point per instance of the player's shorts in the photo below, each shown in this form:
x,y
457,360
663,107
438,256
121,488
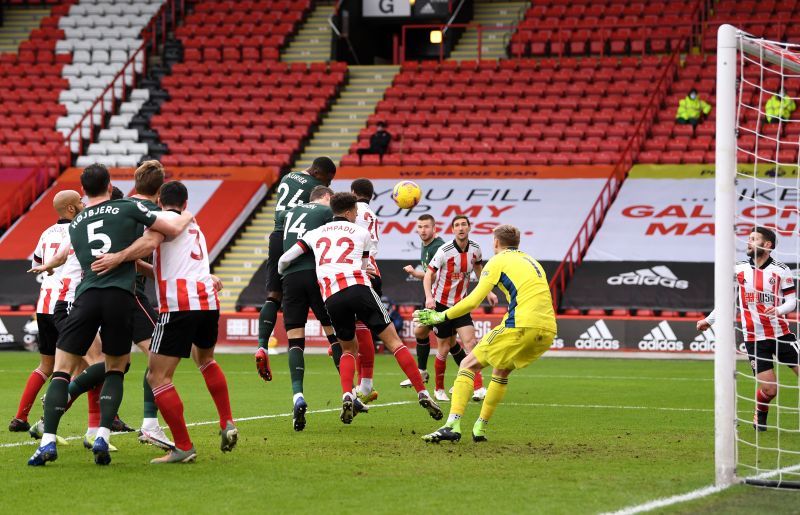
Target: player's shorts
x,y
177,331
301,293
377,285
448,328
144,320
356,302
61,312
108,309
274,279
510,348
48,333
762,353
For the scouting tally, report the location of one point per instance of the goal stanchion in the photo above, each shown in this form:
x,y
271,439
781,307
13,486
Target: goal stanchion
x,y
757,185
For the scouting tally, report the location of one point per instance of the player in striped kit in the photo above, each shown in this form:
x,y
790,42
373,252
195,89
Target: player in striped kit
x,y
366,218
766,292
446,282
67,204
342,249
187,324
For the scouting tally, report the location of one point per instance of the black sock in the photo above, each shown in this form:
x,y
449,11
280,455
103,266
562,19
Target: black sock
x,y
457,351
110,397
336,353
266,321
423,351
92,376
297,364
55,401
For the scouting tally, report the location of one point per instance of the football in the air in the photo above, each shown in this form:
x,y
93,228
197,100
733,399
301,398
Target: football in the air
x,y
406,194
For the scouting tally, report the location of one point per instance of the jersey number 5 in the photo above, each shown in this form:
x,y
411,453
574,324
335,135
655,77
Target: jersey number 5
x,y
93,234
345,243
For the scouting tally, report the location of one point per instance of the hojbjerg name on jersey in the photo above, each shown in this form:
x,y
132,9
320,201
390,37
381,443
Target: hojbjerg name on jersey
x,y
104,210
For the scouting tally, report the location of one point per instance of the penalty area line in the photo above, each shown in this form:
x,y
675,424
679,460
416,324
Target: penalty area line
x,y
210,422
669,501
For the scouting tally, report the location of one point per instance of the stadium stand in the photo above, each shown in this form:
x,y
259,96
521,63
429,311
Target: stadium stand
x,y
30,84
231,102
587,27
513,111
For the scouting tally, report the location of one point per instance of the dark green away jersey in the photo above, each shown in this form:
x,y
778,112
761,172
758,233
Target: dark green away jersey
x,y
299,220
108,227
140,279
428,252
293,190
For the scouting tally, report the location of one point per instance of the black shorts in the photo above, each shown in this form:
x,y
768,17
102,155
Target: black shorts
x,y
108,309
377,285
448,328
177,331
144,320
61,312
274,279
301,293
356,302
761,353
48,333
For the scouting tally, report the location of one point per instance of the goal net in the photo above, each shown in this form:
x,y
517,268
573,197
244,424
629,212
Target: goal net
x,y
757,185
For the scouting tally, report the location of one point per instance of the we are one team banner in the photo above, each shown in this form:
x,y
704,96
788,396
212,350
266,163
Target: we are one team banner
x,y
656,246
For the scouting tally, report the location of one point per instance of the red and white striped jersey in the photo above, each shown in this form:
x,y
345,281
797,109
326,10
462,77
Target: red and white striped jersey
x,y
183,275
759,289
367,219
339,249
453,267
71,273
46,250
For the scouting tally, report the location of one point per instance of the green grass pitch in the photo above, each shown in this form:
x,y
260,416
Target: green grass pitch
x,y
573,436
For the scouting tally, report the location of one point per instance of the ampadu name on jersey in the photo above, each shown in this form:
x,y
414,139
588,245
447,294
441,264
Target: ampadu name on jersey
x,y
339,227
92,211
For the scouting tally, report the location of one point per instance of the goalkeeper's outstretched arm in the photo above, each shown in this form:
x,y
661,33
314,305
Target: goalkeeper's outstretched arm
x,y
473,300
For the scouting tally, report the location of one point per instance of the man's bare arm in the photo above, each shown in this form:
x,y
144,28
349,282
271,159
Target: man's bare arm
x,y
140,248
174,226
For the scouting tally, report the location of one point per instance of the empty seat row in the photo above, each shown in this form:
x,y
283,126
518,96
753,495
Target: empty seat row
x,y
96,21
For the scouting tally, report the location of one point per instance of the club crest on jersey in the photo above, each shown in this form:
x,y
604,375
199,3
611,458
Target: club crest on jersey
x,y
142,207
772,281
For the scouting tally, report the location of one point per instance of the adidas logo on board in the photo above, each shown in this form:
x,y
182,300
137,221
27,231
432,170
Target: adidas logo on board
x,y
661,338
655,276
597,337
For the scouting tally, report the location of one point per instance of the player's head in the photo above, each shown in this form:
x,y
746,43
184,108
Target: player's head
x,y
321,195
96,181
149,178
761,242
344,205
461,227
323,169
426,228
68,204
505,237
693,93
116,193
362,189
173,195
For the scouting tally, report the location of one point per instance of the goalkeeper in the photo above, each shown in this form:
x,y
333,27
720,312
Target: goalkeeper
x,y
524,334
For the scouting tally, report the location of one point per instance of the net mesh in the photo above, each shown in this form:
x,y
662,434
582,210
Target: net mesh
x,y
768,195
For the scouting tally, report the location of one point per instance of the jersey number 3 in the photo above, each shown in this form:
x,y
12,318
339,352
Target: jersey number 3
x,y
345,243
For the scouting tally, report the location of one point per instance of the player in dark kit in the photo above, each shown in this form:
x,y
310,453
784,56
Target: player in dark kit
x,y
301,292
105,303
293,190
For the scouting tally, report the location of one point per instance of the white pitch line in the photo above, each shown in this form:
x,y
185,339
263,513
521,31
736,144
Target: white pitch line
x,y
669,501
604,406
210,422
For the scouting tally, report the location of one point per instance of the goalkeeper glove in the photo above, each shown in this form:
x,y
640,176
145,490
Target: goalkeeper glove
x,y
429,317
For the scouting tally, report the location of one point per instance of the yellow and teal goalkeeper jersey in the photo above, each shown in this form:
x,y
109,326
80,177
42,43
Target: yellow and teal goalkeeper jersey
x,y
523,281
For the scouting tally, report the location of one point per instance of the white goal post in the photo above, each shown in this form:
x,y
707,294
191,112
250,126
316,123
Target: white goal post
x,y
741,454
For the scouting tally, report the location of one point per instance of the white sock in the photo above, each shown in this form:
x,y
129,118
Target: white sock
x,y
104,433
365,386
452,418
425,393
48,438
150,423
92,431
347,396
297,396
